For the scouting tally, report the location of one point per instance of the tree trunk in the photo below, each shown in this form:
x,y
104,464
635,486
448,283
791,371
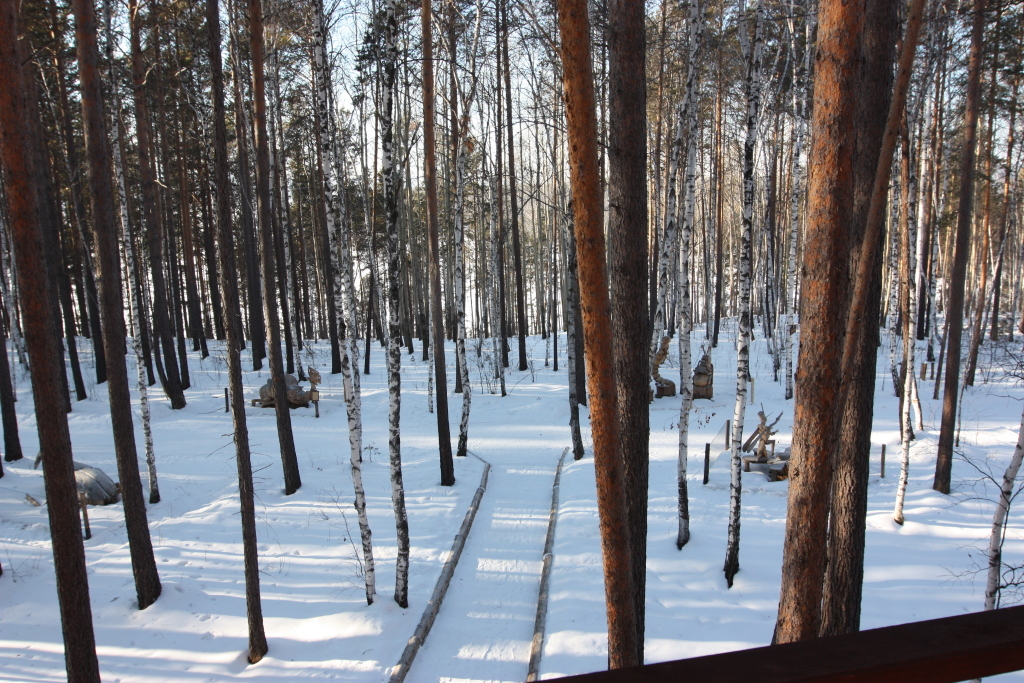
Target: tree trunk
x,y
627,238
391,174
696,31
841,594
801,102
753,92
955,306
129,250
257,325
822,314
343,298
12,443
517,255
147,580
170,378
44,352
289,461
995,546
444,439
232,328
574,29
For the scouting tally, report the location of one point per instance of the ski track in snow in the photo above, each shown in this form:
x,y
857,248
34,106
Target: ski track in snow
x,y
318,624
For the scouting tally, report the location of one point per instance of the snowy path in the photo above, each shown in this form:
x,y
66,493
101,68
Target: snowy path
x,y
485,625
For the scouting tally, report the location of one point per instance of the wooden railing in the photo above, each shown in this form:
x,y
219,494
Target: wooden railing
x,y
937,651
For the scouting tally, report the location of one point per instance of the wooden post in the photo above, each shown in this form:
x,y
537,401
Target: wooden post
x,y
924,371
883,461
728,432
227,404
751,391
707,462
85,514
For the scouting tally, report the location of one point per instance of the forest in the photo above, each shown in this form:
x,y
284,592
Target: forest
x,y
360,277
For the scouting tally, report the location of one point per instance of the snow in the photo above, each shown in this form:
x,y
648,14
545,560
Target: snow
x,y
318,624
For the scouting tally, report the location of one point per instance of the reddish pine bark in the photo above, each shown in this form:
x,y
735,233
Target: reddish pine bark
x,y
40,328
574,27
822,312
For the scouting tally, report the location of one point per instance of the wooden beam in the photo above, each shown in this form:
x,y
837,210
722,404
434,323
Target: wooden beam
x,y
937,651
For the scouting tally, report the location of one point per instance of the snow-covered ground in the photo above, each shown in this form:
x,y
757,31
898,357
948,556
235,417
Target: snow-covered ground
x,y
317,622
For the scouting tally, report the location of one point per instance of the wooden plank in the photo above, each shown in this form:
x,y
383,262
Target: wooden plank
x,y
937,651
540,621
412,647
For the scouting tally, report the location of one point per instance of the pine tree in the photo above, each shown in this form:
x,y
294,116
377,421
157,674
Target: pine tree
x,y
965,213
44,352
147,580
232,327
574,29
289,461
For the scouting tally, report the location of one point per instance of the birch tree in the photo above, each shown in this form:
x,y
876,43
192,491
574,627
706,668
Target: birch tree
x,y
908,313
995,544
571,333
465,146
696,31
342,291
800,101
752,48
136,294
391,175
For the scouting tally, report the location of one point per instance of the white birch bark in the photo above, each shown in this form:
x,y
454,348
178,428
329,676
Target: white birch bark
x,y
909,344
552,298
430,361
669,245
343,296
390,173
800,99
906,430
894,279
752,52
462,366
995,545
129,251
572,284
909,377
499,368
696,26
